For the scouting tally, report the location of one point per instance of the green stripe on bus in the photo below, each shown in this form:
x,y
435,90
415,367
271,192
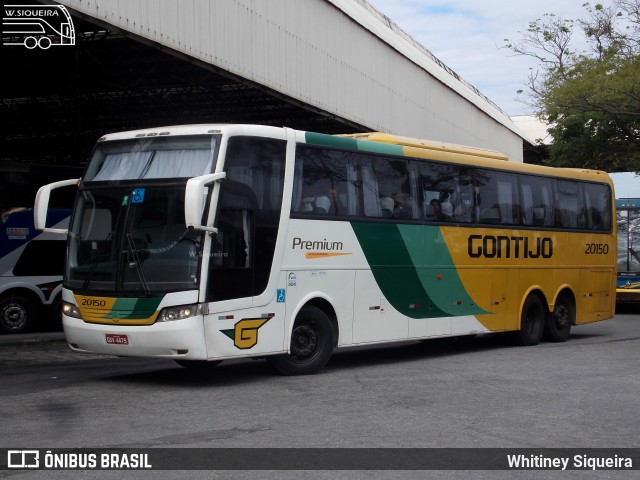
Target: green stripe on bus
x,y
401,272
331,140
437,271
352,144
134,308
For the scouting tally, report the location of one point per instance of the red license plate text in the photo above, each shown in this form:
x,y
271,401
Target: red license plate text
x,y
114,339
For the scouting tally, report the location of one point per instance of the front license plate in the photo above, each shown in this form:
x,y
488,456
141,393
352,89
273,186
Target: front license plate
x,y
114,339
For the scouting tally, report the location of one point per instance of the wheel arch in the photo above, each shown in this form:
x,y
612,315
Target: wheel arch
x,y
322,302
537,291
35,296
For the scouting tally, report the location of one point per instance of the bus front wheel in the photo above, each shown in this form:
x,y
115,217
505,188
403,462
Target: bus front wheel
x,y
311,344
532,321
558,324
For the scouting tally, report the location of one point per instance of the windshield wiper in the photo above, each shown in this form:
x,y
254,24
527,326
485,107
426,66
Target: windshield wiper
x,y
138,263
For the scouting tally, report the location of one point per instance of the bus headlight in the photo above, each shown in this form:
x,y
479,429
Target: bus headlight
x,y
70,310
177,313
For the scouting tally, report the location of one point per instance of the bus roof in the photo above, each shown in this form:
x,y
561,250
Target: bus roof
x,y
197,129
430,145
372,142
433,150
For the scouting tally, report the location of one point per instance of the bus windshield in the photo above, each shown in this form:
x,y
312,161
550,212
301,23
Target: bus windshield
x,y
152,158
128,233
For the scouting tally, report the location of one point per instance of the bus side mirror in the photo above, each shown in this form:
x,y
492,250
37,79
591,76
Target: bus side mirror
x,y
42,205
194,198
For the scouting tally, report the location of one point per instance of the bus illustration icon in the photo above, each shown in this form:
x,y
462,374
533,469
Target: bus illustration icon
x,y
37,26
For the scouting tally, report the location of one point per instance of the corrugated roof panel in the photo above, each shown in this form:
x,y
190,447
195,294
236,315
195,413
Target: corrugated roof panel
x,y
340,56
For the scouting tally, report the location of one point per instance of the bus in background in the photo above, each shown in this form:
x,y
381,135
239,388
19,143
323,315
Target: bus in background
x,y
628,288
209,242
31,262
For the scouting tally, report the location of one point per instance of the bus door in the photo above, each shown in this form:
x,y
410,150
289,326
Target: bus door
x,y
246,314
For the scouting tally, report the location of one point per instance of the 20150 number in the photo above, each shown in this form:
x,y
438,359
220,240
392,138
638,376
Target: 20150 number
x,y
92,302
596,249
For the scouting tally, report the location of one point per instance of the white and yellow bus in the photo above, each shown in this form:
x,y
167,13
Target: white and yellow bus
x,y
209,242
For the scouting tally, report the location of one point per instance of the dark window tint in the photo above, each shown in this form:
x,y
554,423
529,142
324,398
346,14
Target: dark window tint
x,y
498,202
570,211
343,184
464,202
597,200
41,257
438,183
248,216
388,188
327,183
536,201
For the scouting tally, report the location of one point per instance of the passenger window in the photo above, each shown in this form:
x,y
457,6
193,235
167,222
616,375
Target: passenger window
x,y
437,183
464,204
536,201
325,182
498,202
258,163
570,211
598,206
395,196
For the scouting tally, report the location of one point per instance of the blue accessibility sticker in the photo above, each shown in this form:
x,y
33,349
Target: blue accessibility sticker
x,y
280,295
137,195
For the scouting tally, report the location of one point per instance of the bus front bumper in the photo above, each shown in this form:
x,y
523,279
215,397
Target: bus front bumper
x,y
628,295
179,340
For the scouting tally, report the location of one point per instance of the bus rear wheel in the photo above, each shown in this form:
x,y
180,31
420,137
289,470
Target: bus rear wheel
x,y
558,324
16,314
311,344
532,321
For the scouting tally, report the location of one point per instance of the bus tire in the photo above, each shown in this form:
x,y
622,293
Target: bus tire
x,y
558,323
17,315
312,341
532,321
198,365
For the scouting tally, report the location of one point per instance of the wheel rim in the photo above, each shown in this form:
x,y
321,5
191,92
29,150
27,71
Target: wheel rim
x,y
14,316
304,341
